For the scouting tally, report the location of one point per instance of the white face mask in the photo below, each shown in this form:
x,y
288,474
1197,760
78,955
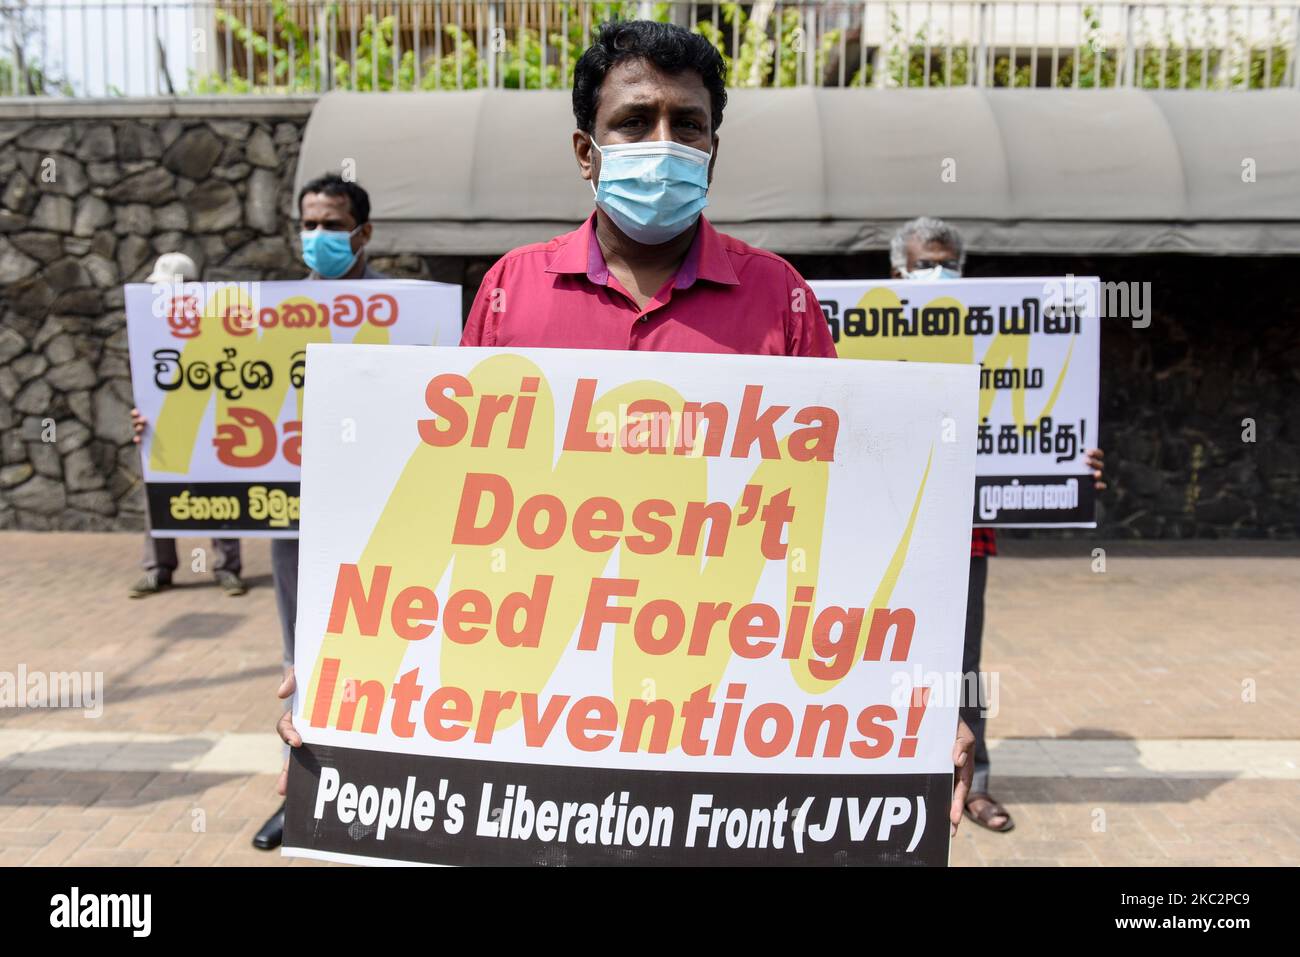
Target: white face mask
x,y
932,274
653,191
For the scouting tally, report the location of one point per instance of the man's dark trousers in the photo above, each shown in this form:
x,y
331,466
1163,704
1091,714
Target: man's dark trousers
x,y
972,710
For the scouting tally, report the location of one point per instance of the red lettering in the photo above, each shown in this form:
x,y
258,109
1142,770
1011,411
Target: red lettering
x,y
598,613
413,609
757,620
576,436
903,621
538,729
467,610
444,706
348,591
586,525
329,676
452,419
873,727
494,703
589,718
754,427
467,532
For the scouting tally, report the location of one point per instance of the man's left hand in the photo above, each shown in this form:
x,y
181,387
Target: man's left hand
x,y
963,761
1095,461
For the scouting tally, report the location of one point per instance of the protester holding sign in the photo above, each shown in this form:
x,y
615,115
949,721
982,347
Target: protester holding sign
x,y
219,369
930,249
334,230
647,271
160,559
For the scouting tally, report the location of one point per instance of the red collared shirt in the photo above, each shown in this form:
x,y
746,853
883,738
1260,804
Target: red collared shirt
x,y
983,542
727,297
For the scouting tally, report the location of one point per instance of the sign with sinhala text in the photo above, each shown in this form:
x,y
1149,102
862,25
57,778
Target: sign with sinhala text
x,y
1037,342
218,369
559,606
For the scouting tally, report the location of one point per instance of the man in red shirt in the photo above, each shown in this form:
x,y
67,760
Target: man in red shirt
x,y
648,98
646,270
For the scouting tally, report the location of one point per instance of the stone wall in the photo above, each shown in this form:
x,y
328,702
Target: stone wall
x,y
92,194
214,179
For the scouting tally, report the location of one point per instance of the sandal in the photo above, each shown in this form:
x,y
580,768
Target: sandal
x,y
988,812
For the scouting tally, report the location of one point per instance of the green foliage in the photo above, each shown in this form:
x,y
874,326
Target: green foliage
x,y
287,66
1173,65
761,47
29,80
290,62
457,70
374,61
754,41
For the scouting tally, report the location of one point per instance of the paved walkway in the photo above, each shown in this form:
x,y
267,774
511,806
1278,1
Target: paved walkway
x,y
1146,713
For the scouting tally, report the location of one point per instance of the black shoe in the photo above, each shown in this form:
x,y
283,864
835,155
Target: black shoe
x,y
272,832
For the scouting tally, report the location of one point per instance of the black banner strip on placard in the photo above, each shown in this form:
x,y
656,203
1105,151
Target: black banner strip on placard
x,y
202,507
459,811
1034,500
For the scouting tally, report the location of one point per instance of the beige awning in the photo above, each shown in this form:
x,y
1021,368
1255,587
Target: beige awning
x,y
836,170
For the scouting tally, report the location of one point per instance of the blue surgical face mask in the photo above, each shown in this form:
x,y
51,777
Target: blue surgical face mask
x,y
933,274
654,191
328,252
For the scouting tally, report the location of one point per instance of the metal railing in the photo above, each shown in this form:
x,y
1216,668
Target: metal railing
x,y
171,47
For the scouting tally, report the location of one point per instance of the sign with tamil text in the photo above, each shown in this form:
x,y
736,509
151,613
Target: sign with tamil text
x,y
1037,342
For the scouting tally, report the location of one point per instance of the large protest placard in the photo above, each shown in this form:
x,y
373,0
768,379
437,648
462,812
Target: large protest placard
x,y
218,369
561,606
1037,342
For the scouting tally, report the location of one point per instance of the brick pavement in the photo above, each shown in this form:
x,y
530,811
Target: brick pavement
x,y
1100,676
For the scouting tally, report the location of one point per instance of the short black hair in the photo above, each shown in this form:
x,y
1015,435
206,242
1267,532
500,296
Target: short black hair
x,y
669,47
331,184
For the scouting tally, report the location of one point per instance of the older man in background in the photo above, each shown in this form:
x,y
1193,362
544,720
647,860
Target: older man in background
x,y
929,249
